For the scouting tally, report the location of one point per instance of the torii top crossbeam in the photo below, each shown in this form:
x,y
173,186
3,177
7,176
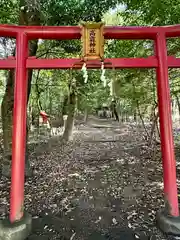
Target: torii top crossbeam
x,y
74,32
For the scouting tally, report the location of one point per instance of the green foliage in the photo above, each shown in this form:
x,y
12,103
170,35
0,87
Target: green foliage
x,y
154,12
73,11
8,11
133,87
52,88
93,94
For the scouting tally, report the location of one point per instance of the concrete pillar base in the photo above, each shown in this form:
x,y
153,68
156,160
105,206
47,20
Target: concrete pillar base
x,y
19,230
168,224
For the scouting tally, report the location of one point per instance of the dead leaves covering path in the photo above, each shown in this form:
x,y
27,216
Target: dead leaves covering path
x,y
102,185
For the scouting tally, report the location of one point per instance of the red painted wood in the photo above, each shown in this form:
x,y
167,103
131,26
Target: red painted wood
x,y
35,63
19,130
150,62
161,62
74,32
167,144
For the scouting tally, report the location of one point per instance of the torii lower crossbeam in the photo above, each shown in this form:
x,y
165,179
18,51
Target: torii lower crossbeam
x,y
75,63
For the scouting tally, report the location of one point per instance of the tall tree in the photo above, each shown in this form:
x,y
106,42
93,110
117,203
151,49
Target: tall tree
x,y
29,14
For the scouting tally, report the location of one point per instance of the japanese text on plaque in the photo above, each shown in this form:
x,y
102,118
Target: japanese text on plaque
x,y
92,41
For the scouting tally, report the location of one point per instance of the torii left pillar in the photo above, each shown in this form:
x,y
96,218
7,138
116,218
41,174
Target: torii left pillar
x,y
18,226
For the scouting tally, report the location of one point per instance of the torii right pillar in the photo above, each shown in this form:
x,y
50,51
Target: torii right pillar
x,y
168,220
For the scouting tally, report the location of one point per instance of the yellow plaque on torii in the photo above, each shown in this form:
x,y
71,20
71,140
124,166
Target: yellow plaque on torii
x,y
93,41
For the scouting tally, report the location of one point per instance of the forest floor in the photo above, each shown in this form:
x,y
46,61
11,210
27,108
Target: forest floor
x,y
105,184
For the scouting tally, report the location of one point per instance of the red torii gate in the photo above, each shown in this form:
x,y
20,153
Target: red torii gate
x,y
168,221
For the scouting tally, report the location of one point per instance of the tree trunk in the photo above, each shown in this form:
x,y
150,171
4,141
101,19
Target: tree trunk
x,y
86,115
50,105
114,109
71,113
127,117
178,104
154,126
8,99
65,106
122,117
6,110
29,117
135,116
142,120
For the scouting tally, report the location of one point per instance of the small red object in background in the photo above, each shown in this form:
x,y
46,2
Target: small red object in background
x,y
44,116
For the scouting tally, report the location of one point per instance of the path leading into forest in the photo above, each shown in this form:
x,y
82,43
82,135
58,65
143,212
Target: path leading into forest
x,y
102,185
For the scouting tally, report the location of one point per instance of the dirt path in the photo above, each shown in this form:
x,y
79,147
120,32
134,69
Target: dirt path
x,y
102,185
